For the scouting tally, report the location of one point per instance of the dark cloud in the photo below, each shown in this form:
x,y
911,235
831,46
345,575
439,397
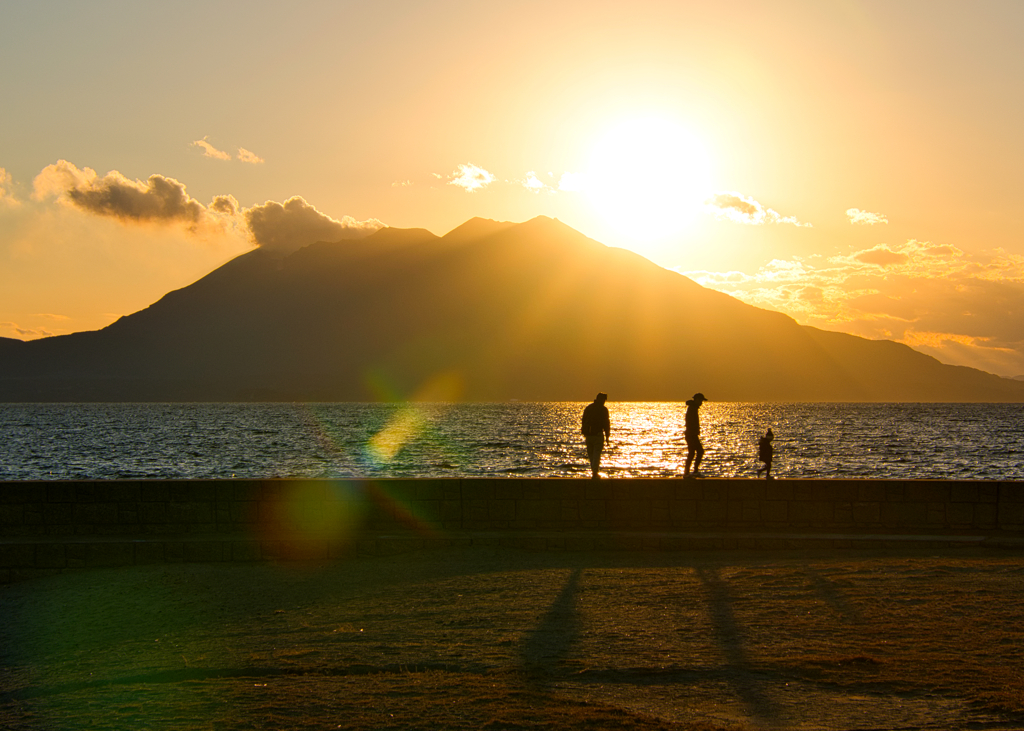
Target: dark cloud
x,y
294,224
159,199
281,227
225,205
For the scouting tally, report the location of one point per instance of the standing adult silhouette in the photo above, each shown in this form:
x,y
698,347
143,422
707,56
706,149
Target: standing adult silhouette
x,y
694,448
596,428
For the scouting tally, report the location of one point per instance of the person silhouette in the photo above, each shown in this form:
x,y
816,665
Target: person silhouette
x,y
765,452
596,428
694,448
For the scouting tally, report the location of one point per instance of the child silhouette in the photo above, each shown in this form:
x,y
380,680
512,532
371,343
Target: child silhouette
x,y
765,452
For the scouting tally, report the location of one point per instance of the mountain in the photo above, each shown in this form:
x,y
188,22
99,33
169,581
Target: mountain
x,y
530,311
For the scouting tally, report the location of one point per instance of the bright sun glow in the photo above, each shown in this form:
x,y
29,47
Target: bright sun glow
x,y
648,178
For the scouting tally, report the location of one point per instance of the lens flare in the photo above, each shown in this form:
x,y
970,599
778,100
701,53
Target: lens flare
x,y
306,519
403,428
410,421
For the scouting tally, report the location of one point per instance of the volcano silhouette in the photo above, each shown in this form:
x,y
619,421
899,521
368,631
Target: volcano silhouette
x,y
531,311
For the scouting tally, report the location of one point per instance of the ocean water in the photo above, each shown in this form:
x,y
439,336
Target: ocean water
x,y
153,441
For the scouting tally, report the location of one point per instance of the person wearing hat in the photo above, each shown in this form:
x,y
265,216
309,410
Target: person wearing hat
x,y
694,449
596,428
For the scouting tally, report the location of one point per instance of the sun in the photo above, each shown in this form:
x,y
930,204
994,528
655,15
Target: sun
x,y
648,178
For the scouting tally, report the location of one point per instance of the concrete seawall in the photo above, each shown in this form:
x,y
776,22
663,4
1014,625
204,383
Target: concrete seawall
x,y
48,527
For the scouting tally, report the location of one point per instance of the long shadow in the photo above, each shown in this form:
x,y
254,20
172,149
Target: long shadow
x,y
556,633
834,597
729,636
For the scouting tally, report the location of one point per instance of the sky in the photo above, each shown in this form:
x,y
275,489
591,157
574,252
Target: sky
x,y
856,165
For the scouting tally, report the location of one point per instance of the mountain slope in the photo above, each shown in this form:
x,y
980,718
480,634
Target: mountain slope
x,y
534,311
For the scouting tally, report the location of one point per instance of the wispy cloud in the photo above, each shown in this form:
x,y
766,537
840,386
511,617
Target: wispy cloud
x,y
25,333
7,189
211,151
744,209
865,218
963,309
295,223
243,155
402,184
250,157
471,178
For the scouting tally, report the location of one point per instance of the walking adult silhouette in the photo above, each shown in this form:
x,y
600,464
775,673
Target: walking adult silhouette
x,y
694,448
596,429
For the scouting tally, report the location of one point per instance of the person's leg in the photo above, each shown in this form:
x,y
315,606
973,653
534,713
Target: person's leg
x,y
595,444
700,455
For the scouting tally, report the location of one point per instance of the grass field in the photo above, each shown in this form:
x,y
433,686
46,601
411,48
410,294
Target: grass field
x,y
495,639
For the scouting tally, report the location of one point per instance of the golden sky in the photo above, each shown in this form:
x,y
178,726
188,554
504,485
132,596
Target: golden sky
x,y
857,165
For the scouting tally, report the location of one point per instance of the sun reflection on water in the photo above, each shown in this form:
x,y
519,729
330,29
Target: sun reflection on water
x,y
445,439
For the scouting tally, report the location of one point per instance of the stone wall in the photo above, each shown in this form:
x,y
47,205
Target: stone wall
x,y
46,526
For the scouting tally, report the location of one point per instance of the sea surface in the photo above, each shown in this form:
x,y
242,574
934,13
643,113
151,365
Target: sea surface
x,y
156,441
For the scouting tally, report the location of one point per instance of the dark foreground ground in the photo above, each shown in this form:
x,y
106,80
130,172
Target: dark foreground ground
x,y
498,639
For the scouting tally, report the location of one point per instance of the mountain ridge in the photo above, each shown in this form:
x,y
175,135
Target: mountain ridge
x,y
532,311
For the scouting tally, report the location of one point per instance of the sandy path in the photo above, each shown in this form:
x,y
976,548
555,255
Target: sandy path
x,y
475,638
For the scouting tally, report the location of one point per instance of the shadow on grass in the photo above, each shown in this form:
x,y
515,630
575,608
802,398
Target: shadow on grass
x,y
748,687
551,640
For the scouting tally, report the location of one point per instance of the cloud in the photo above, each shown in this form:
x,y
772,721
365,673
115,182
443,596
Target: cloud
x,y
211,151
6,183
250,157
744,209
244,155
401,184
162,200
226,205
289,227
159,199
882,256
471,177
533,183
961,308
866,218
25,333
